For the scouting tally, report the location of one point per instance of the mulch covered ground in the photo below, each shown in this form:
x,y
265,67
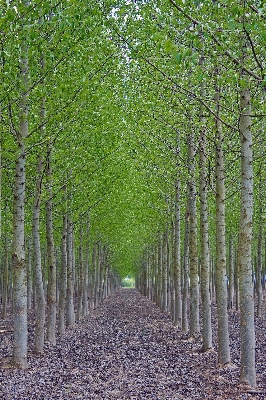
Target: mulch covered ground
x,y
128,349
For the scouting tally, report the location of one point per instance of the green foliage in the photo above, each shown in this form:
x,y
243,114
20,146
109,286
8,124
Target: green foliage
x,y
122,84
128,282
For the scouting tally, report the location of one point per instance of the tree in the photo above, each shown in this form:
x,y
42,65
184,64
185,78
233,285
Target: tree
x,y
18,251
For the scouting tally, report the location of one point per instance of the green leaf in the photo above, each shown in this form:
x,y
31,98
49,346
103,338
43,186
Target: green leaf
x,y
168,46
177,56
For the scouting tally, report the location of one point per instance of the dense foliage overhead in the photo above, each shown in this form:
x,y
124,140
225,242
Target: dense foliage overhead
x,y
123,88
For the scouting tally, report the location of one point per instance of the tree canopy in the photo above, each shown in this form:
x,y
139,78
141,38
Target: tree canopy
x,y
122,83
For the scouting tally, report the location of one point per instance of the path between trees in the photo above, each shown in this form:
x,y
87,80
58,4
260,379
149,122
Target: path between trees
x,y
126,349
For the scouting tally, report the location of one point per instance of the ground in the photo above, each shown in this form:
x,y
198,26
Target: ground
x,y
129,349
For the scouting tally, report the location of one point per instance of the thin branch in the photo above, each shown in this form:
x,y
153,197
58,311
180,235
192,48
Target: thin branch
x,y
217,41
254,52
14,131
192,94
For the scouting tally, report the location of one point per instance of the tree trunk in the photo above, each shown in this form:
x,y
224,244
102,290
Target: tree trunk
x,y
164,273
19,266
5,280
193,247
177,260
97,274
86,266
221,277
259,263
258,273
93,275
40,298
29,274
236,282
18,255
186,272
63,279
160,274
231,275
70,314
247,328
205,254
80,277
51,289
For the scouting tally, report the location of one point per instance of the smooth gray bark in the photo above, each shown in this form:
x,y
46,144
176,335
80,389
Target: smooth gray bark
x,y
205,253
63,279
19,267
186,272
5,279
231,275
160,274
193,246
247,327
259,273
221,276
259,262
164,273
81,277
38,278
51,261
85,306
93,275
177,260
70,314
18,254
29,274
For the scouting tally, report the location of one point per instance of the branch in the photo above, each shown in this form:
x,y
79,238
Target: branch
x,y
254,52
14,131
256,11
217,41
192,94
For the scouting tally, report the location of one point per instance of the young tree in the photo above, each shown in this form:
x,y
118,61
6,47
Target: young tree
x,y
40,298
244,258
18,244
221,278
193,248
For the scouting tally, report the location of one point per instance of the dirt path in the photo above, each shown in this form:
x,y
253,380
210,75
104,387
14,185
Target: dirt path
x,y
126,349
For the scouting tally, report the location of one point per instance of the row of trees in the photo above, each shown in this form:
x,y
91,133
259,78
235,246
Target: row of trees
x,y
138,115
203,190
46,160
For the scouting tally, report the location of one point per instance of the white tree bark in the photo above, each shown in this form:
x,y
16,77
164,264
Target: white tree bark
x,y
177,260
81,277
19,266
221,277
93,275
5,280
164,272
63,279
231,275
205,253
85,306
247,328
51,289
29,273
258,273
18,254
259,262
70,313
186,272
40,298
193,247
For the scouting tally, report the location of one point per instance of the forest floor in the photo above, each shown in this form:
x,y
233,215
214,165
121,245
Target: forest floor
x,y
128,349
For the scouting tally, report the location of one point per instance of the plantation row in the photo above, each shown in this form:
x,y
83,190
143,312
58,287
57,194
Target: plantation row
x,y
130,131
